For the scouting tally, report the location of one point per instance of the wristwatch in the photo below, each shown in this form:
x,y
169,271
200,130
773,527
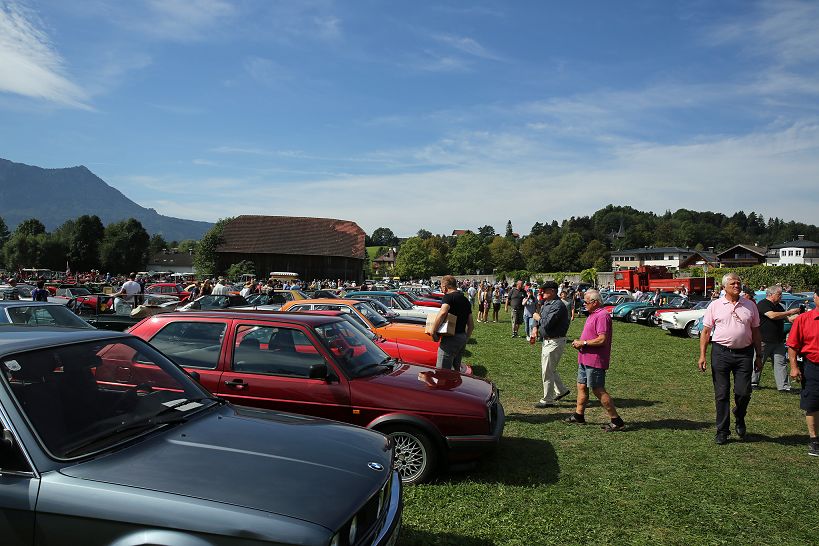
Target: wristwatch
x,y
585,343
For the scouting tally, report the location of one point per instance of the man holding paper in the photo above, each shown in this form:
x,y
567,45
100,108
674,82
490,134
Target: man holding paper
x,y
451,346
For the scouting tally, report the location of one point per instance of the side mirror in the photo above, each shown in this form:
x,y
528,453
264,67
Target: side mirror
x,y
195,376
318,371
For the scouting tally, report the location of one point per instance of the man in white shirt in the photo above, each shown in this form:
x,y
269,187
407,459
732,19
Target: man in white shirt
x,y
125,299
220,289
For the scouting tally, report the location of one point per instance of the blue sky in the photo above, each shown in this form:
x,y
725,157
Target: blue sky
x,y
441,115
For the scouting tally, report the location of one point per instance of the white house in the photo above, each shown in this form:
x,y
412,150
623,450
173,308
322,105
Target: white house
x,y
799,251
670,257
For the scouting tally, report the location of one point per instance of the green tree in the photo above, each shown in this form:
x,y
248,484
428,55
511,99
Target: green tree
x,y
53,251
84,243
564,255
187,245
22,250
124,247
32,226
383,237
469,255
235,271
487,233
589,275
593,251
534,250
510,235
505,255
157,244
437,250
413,260
424,234
204,257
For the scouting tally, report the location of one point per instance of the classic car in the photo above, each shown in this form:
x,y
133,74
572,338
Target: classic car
x,y
683,321
622,311
325,367
647,314
39,313
419,301
169,289
613,300
107,442
391,315
82,299
398,303
365,314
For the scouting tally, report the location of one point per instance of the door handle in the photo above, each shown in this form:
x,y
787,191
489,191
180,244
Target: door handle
x,y
236,384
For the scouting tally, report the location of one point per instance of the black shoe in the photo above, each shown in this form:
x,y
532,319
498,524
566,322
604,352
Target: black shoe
x,y
575,419
740,426
564,395
721,439
541,404
813,450
755,386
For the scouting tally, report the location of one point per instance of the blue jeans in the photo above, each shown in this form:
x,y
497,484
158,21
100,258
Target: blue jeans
x,y
591,377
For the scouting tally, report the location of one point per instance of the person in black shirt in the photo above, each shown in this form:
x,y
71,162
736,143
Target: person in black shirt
x,y
552,323
451,348
40,293
772,318
515,300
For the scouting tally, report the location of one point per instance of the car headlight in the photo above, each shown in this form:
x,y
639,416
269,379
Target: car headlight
x,y
336,540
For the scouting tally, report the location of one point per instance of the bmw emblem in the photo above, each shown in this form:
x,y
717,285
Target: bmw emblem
x,y
376,466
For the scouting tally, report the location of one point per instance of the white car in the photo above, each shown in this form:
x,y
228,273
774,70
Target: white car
x,y
684,320
399,304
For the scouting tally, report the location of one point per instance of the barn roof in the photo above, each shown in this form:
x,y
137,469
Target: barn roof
x,y
296,235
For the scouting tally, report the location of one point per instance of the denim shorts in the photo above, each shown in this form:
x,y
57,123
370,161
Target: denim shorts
x,y
591,377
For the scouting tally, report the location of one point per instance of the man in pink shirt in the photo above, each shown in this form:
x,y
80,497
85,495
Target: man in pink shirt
x,y
731,324
594,355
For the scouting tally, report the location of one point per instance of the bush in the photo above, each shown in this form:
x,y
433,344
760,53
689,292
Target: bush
x,y
800,277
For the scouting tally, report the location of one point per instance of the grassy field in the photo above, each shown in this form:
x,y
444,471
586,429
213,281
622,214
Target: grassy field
x,y
662,480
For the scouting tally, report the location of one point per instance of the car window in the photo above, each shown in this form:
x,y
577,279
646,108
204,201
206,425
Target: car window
x,y
371,315
191,344
274,351
81,398
51,315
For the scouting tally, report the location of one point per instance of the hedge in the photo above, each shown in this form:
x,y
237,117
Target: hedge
x,y
800,277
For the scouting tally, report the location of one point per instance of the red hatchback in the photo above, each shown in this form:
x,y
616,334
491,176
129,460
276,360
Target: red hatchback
x,y
325,366
169,289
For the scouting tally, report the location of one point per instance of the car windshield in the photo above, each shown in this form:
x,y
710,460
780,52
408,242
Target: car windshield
x,y
701,305
364,330
403,302
611,300
358,355
44,315
380,307
676,302
371,314
80,292
84,398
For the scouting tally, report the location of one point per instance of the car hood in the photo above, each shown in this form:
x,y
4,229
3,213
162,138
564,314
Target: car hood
x,y
417,388
301,467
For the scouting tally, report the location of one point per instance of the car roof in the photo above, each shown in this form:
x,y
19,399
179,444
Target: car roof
x,y
301,318
335,301
29,303
14,339
372,293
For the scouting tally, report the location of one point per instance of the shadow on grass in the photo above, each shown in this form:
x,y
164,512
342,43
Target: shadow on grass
x,y
554,414
671,424
621,402
791,440
515,461
478,370
472,341
410,536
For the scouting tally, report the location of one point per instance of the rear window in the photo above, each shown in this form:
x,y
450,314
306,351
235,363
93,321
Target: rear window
x,y
191,344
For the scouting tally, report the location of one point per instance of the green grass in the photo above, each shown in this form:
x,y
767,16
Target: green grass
x,y
662,480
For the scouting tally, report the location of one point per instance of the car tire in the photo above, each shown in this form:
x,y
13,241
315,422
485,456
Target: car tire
x,y
415,454
627,317
689,330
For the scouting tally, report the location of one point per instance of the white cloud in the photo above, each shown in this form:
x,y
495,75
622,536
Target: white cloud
x,y
267,71
467,45
184,20
30,64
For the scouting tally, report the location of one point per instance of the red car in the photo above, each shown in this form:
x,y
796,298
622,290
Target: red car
x,y
421,301
324,366
169,289
85,299
411,351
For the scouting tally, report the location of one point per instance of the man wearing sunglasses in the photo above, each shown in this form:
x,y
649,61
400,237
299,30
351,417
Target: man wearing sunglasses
x,y
731,324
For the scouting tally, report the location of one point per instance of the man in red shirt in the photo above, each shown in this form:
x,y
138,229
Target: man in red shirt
x,y
804,340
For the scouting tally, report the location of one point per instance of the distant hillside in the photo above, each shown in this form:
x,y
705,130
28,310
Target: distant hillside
x,y
75,191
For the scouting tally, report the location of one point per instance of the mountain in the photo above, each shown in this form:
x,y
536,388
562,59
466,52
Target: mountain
x,y
56,195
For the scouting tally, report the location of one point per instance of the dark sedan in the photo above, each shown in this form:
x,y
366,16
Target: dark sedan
x,y
108,442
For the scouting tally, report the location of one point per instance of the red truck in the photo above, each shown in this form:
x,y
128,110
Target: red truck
x,y
648,278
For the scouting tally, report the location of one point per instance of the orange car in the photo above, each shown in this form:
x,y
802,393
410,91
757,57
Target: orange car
x,y
362,311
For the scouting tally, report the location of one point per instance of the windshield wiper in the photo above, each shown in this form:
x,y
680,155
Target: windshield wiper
x,y
385,364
